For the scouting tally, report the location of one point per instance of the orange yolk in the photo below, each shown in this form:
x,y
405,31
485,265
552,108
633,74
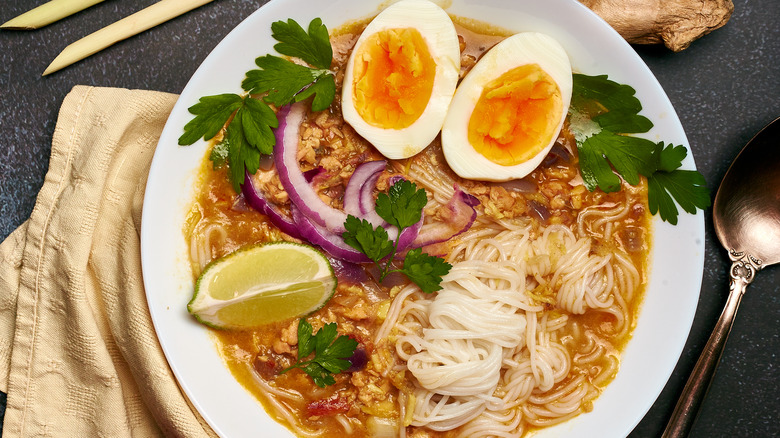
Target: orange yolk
x,y
393,82
516,115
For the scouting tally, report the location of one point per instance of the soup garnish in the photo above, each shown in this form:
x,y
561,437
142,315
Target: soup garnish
x,y
601,143
402,208
331,352
248,121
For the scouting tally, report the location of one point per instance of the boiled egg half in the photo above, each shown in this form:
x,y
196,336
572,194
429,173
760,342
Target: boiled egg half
x,y
401,77
509,109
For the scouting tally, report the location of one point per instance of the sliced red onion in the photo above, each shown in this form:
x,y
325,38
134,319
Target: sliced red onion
x,y
539,211
358,360
359,197
363,180
301,193
394,179
312,174
368,206
348,272
329,241
557,152
367,202
520,186
462,216
259,202
408,235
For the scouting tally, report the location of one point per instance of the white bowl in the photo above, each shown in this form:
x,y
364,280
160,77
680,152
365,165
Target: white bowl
x,y
594,48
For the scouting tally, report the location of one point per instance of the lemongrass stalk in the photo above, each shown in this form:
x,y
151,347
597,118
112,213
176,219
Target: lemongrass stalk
x,y
47,13
140,21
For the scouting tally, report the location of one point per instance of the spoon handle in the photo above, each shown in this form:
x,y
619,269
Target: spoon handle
x,y
743,269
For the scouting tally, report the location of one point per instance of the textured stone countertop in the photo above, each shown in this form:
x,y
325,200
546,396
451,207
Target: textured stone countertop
x,y
725,87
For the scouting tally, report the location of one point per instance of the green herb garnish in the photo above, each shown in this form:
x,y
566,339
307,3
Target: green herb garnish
x,y
687,187
602,112
249,120
402,206
330,352
425,270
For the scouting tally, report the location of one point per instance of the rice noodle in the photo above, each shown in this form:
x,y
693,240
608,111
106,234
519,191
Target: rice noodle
x,y
345,423
280,408
484,352
598,219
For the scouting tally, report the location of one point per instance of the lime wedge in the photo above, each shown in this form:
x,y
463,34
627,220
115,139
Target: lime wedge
x,y
261,284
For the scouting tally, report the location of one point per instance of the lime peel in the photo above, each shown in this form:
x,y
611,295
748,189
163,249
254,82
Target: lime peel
x,y
262,284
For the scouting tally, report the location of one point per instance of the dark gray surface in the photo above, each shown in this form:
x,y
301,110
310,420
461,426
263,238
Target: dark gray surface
x,y
725,87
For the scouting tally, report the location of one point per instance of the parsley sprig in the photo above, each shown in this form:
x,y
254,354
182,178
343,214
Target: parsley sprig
x,y
330,352
280,81
402,206
615,111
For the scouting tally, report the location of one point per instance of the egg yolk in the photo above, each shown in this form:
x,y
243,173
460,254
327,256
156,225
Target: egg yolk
x,y
394,74
516,115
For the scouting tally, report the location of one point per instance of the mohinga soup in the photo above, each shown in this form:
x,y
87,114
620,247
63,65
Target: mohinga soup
x,y
546,276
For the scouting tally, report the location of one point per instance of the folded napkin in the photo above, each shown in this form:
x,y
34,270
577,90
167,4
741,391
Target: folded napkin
x,y
78,352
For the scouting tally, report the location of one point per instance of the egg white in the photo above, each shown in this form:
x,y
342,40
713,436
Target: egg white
x,y
519,49
439,33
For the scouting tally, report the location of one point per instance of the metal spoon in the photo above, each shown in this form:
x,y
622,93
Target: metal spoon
x,y
746,215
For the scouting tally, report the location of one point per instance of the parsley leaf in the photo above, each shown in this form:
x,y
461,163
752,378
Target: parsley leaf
x,y
402,206
323,89
687,187
321,376
305,339
282,80
240,154
247,135
615,109
249,122
623,123
611,105
258,121
362,236
313,48
670,157
596,171
331,352
425,270
604,94
211,114
629,155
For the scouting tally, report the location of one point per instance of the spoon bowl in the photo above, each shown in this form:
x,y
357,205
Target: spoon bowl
x,y
746,215
746,212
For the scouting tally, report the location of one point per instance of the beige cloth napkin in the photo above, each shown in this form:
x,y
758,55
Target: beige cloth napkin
x,y
78,352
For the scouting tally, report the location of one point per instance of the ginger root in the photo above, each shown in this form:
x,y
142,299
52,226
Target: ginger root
x,y
675,23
